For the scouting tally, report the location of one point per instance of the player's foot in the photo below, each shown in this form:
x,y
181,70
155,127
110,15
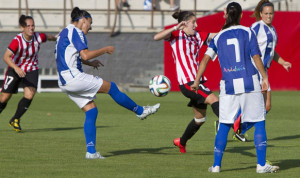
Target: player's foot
x,y
16,124
267,168
176,142
93,155
215,169
174,8
148,110
216,126
240,137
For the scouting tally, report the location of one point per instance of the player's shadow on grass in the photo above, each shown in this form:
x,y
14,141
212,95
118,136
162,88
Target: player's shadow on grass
x,y
139,151
287,164
244,150
289,137
56,129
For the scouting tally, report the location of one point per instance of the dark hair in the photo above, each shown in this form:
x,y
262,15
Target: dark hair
x,y
259,8
183,15
22,20
233,11
77,14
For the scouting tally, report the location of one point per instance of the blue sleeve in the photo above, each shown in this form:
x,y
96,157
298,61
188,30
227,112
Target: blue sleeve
x,y
212,45
254,48
79,43
255,28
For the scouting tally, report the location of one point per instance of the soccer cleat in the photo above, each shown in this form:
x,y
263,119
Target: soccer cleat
x,y
267,168
176,142
93,156
215,169
216,126
240,137
174,8
16,124
148,110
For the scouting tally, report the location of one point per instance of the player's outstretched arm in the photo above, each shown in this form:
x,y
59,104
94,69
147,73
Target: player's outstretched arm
x,y
165,34
281,61
90,54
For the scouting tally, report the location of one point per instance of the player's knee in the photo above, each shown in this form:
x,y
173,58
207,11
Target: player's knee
x,y
200,121
113,88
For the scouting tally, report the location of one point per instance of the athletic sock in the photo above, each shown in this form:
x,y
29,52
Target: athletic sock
x,y
220,143
247,125
123,100
215,108
89,129
23,105
260,141
2,106
190,130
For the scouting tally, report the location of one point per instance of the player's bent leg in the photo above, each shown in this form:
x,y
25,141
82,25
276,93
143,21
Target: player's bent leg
x,y
191,129
123,100
4,98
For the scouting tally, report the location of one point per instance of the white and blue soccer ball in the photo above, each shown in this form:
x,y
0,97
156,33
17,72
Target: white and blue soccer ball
x,y
160,85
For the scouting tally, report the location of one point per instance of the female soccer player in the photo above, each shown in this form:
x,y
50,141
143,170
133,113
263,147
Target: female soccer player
x,y
21,57
267,39
186,43
239,86
71,51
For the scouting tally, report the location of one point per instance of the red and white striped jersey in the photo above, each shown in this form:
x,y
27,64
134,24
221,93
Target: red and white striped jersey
x,y
185,52
25,53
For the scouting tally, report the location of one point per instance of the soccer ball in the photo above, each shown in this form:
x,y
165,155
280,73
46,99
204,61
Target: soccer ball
x,y
159,85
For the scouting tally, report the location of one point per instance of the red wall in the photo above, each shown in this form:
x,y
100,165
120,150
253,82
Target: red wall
x,y
287,25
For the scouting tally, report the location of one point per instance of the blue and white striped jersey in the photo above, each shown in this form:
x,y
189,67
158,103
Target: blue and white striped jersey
x,y
69,43
234,47
267,40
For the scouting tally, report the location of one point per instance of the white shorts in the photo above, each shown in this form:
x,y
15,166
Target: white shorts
x,y
83,88
252,105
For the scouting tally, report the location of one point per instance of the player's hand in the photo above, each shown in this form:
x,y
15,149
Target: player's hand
x,y
181,25
20,72
195,86
110,49
287,66
265,85
96,64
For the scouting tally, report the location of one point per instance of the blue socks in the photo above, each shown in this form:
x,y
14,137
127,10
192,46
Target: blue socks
x,y
123,100
220,143
247,125
260,141
90,129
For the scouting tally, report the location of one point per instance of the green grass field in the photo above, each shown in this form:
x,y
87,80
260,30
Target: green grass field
x,y
52,142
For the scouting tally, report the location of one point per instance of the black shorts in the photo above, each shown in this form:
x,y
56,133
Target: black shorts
x,y
12,81
196,98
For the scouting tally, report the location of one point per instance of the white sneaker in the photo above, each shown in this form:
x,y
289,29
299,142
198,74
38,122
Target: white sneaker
x,y
267,168
93,155
215,169
148,110
174,8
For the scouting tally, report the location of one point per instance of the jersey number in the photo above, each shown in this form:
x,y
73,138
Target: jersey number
x,y
8,80
235,43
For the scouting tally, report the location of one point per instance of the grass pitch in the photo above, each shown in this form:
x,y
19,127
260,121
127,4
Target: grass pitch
x,y
52,143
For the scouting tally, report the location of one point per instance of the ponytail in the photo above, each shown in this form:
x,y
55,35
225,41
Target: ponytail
x,y
182,15
259,8
77,14
22,20
233,11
